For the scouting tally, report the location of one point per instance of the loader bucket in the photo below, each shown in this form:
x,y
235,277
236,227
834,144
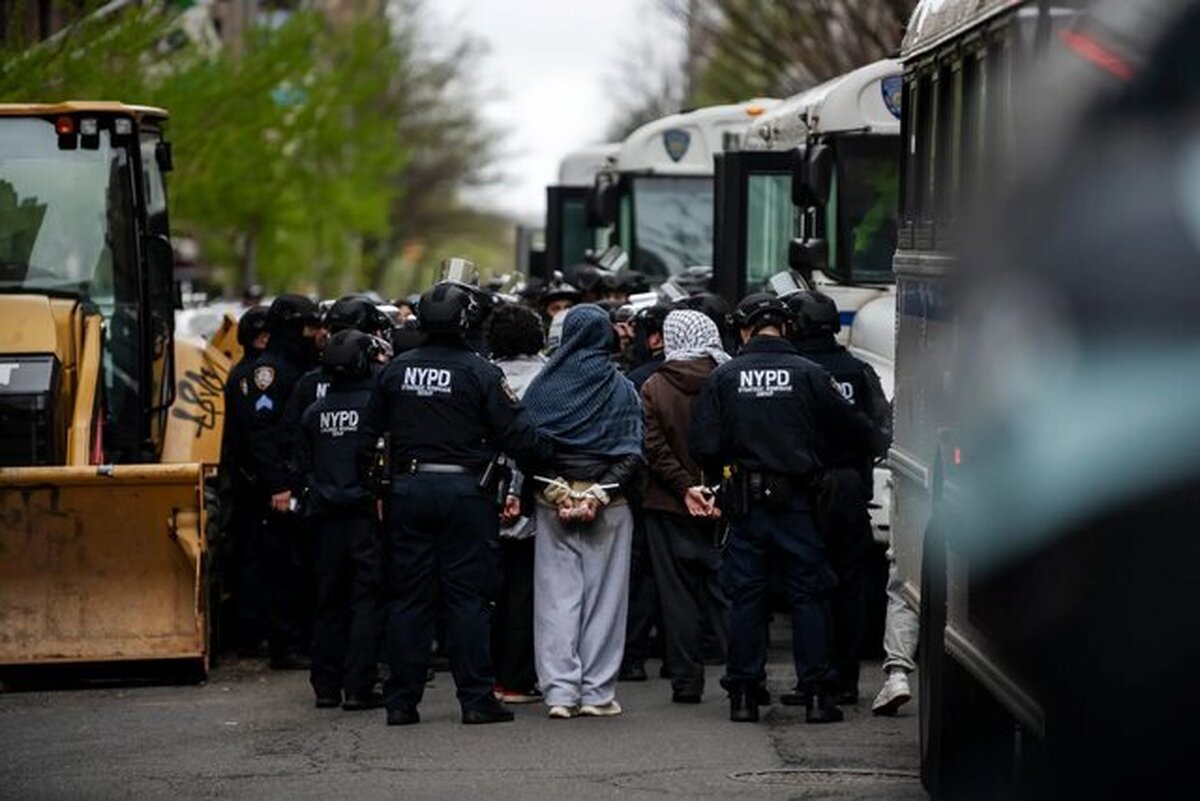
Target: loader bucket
x,y
102,564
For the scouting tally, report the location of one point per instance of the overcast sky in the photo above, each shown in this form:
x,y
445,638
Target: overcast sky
x,y
549,71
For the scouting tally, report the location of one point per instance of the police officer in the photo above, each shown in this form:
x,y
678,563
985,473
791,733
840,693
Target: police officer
x,y
335,453
447,413
843,516
236,566
293,322
352,312
645,611
758,416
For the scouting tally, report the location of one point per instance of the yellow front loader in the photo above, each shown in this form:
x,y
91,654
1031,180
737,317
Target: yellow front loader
x,y
110,425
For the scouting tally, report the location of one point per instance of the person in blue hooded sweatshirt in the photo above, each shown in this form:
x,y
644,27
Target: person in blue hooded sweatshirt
x,y
592,415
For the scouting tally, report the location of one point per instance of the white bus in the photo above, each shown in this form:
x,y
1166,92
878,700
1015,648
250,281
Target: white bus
x,y
844,135
658,190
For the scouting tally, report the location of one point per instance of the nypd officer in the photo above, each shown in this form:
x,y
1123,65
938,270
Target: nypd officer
x,y
757,417
843,517
447,413
335,454
351,312
236,565
292,321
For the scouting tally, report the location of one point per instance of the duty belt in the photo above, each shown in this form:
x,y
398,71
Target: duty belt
x,y
415,466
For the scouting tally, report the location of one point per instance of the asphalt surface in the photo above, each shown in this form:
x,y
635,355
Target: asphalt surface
x,y
249,732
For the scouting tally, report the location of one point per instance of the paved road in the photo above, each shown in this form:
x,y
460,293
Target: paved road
x,y
253,733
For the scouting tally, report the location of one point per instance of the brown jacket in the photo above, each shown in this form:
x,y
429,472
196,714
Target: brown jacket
x,y
667,398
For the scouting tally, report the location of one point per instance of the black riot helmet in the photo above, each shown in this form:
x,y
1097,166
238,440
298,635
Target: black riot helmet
x,y
292,313
758,310
445,309
357,313
348,354
814,313
252,323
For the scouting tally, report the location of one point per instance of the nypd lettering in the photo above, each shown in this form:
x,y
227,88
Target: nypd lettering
x,y
322,388
764,383
845,388
427,381
338,422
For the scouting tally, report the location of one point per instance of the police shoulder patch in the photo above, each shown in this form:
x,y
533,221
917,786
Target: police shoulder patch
x,y
264,377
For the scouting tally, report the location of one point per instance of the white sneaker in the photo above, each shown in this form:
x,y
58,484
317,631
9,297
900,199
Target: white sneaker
x,y
602,710
893,695
563,712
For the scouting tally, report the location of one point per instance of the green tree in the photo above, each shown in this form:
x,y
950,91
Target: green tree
x,y
299,162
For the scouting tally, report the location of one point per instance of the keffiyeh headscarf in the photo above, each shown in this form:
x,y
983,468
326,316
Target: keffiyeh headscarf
x,y
689,334
579,399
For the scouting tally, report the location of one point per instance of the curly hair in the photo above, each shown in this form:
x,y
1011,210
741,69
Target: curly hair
x,y
513,330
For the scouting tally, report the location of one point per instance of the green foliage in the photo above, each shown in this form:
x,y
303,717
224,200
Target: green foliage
x,y
313,160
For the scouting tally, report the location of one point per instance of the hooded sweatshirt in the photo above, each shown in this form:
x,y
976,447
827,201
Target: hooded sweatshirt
x,y
667,398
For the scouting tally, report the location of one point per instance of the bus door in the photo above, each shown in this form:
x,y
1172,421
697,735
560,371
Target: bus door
x,y
754,220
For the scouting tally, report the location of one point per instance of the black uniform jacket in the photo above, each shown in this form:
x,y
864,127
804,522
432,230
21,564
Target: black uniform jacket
x,y
268,440
335,448
764,410
442,403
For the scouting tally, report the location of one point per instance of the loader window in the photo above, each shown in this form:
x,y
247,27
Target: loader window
x,y
56,208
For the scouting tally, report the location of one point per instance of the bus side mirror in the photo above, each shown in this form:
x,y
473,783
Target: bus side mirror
x,y
602,202
802,194
820,173
806,256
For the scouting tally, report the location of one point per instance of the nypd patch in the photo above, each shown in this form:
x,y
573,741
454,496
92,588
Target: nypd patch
x,y
677,141
264,377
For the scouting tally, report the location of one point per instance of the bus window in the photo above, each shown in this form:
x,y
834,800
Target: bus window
x,y
867,194
770,226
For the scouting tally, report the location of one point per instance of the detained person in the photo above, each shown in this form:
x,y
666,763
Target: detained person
x,y
592,417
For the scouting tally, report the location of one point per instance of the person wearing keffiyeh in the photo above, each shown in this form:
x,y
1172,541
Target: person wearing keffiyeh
x,y
591,415
681,518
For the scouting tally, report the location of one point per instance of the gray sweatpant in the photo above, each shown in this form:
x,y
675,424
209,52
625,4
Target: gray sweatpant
x,y
580,602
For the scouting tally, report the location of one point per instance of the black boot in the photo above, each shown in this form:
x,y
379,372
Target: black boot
x,y
743,702
821,708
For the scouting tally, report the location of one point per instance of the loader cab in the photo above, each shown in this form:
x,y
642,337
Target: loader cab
x,y
84,234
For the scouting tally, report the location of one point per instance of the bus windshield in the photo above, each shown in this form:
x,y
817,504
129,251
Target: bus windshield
x,y
673,224
64,214
868,187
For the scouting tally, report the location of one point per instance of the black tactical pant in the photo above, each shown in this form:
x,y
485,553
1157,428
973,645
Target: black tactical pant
x,y
756,540
346,623
645,611
512,628
686,565
285,550
440,536
846,528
